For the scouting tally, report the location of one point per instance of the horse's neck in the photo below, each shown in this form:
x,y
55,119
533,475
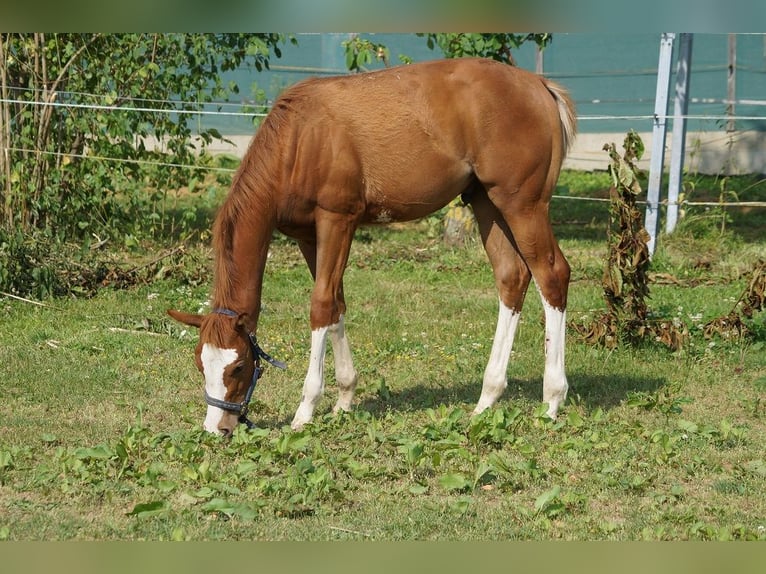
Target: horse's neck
x,y
239,281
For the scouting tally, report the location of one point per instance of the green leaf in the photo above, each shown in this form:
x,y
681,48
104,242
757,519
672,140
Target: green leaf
x,y
6,459
413,452
190,474
147,509
292,442
418,489
166,486
547,498
204,492
215,133
461,505
242,510
218,505
483,474
203,470
574,419
454,481
247,467
101,451
687,426
637,144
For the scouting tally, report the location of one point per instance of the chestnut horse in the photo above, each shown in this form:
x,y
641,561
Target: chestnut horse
x,y
391,145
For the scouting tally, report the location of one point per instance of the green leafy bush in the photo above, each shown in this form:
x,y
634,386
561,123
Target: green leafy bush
x,y
23,267
85,115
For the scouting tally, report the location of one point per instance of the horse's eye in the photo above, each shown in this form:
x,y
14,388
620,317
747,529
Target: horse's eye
x,y
237,368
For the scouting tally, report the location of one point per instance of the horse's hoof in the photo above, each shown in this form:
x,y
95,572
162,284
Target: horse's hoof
x,y
297,425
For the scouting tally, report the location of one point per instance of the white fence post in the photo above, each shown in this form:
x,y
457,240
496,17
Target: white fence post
x,y
659,131
678,142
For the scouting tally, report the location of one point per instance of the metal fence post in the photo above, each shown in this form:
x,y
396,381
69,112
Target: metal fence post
x,y
678,141
659,131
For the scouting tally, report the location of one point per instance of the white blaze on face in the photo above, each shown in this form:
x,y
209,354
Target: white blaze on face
x,y
214,362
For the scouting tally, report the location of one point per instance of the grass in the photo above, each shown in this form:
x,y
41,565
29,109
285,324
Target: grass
x,y
102,407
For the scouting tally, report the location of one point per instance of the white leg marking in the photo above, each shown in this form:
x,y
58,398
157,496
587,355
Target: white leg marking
x,y
495,374
214,361
345,374
313,385
554,380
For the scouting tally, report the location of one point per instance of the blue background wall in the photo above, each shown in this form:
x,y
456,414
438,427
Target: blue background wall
x,y
607,74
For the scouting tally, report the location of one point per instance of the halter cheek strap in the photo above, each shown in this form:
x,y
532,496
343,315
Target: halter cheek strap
x,y
258,354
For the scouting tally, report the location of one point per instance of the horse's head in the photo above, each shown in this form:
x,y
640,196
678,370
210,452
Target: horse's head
x,y
227,356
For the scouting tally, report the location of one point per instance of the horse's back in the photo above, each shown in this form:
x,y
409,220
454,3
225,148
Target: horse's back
x,y
424,129
440,91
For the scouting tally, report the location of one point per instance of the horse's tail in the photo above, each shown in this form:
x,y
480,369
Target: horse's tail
x,y
567,113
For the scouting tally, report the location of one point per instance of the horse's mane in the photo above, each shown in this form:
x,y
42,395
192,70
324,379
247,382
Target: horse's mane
x,y
250,194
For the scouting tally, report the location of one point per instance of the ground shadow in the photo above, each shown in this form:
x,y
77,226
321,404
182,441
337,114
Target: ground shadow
x,y
608,391
592,391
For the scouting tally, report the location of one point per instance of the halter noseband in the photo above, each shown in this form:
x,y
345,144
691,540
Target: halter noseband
x,y
258,354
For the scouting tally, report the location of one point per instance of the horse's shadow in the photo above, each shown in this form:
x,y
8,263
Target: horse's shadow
x,y
591,391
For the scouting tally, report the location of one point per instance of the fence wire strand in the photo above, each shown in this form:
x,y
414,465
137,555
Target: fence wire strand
x,y
172,108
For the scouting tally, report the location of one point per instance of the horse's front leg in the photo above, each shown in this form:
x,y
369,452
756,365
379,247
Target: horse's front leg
x,y
313,385
327,261
345,374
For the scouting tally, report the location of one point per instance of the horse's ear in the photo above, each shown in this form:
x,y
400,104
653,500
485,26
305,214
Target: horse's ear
x,y
186,318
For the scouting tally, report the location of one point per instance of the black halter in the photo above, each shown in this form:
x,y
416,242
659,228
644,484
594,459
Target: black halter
x,y
258,354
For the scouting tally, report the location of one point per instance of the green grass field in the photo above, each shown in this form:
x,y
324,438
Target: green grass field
x,y
102,405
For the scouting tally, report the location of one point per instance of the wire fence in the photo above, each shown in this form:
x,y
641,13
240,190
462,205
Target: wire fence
x,y
245,110
111,108
172,107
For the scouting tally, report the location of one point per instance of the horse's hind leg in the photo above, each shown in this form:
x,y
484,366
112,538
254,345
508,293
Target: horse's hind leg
x,y
526,212
512,279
